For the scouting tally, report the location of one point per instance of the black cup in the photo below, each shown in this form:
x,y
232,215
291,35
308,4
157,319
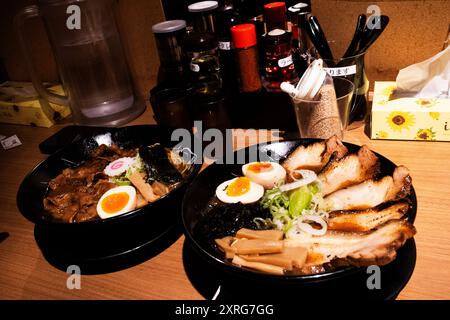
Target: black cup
x,y
212,111
171,108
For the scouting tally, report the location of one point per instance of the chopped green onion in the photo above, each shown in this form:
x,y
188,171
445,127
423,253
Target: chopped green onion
x,y
299,200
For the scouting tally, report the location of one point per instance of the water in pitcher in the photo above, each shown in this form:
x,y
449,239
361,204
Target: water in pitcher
x,y
96,78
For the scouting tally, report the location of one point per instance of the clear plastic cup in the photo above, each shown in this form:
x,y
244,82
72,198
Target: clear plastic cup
x,y
320,119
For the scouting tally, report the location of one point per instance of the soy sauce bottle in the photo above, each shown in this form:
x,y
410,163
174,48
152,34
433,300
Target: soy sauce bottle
x,y
297,14
202,48
227,17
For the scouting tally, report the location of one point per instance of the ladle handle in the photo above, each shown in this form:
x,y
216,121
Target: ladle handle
x,y
360,23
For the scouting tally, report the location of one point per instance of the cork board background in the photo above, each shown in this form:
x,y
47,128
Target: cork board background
x,y
417,31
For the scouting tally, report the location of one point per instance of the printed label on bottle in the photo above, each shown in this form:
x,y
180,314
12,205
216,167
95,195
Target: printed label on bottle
x,y
343,71
224,45
195,67
282,63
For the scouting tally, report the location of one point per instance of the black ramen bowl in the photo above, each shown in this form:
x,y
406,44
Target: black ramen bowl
x,y
35,185
202,190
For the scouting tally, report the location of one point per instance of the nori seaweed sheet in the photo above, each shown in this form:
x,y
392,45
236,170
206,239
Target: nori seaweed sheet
x,y
158,165
226,220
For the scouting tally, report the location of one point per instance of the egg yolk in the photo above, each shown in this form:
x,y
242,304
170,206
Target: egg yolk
x,y
115,202
259,167
238,187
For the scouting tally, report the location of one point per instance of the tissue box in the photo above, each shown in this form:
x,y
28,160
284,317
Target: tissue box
x,y
20,105
408,118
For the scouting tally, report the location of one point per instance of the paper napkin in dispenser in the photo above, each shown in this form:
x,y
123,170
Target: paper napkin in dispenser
x,y
426,79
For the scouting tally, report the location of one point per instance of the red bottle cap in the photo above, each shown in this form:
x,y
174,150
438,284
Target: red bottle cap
x,y
273,5
243,35
275,15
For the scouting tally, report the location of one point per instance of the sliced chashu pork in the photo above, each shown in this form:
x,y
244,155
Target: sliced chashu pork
x,y
359,248
366,220
352,169
315,156
371,193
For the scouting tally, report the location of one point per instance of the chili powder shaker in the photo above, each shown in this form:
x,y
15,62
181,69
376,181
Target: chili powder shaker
x,y
244,42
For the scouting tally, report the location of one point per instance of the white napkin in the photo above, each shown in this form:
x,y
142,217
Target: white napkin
x,y
427,79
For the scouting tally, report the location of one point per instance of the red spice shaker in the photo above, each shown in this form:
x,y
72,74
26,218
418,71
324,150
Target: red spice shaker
x,y
244,42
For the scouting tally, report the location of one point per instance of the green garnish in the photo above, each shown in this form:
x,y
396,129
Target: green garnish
x,y
299,200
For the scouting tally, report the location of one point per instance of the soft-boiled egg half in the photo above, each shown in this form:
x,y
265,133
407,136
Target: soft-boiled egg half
x,y
267,174
116,201
240,189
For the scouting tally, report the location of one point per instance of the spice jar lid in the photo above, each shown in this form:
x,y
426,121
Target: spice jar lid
x,y
276,37
243,35
169,26
300,7
203,6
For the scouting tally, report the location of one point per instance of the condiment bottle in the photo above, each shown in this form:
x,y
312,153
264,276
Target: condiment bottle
x,y
279,66
204,63
298,13
227,17
169,36
202,49
203,16
251,11
244,42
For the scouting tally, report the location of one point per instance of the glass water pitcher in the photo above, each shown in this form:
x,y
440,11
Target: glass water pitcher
x,y
90,58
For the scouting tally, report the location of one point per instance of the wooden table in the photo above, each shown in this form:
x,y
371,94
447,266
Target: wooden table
x,y
25,274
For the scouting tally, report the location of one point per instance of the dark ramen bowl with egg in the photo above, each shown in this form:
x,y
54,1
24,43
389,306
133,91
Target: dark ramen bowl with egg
x,y
46,178
206,218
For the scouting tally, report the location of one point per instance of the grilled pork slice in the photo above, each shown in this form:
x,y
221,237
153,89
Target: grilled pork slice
x,y
365,220
315,156
350,170
356,248
371,193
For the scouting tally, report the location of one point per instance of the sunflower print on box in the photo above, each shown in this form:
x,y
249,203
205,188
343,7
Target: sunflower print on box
x,y
426,134
426,103
398,117
382,135
399,120
434,115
